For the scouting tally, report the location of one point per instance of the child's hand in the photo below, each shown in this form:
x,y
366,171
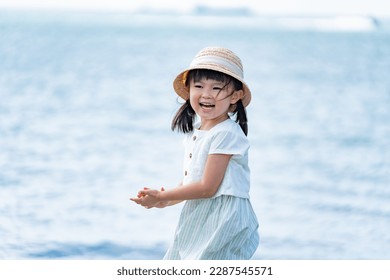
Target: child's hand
x,y
139,197
149,198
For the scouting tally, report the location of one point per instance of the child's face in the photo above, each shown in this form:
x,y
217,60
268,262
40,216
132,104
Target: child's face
x,y
211,100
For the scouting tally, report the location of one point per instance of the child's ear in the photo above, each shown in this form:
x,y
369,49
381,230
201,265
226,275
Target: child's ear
x,y
237,95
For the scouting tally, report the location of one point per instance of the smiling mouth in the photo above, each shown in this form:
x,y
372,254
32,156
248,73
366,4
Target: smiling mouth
x,y
206,105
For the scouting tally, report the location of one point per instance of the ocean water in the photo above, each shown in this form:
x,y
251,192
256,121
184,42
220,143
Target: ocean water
x,y
86,102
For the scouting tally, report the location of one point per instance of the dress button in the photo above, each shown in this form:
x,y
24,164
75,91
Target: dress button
x,y
194,138
185,173
190,155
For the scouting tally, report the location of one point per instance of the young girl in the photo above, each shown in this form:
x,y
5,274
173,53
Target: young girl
x,y
217,221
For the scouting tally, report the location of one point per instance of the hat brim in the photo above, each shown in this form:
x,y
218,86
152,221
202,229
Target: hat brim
x,y
179,84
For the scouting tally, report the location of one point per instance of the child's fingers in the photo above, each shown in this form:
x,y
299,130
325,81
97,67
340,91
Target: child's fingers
x,y
136,200
143,193
140,194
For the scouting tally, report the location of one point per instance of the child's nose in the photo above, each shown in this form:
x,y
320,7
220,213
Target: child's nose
x,y
207,93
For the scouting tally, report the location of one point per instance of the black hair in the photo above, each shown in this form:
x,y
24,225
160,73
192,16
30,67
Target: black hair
x,y
241,117
184,119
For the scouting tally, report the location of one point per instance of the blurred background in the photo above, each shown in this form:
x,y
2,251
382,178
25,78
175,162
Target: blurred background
x,y
86,102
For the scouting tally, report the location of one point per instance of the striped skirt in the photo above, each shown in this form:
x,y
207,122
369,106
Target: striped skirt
x,y
221,228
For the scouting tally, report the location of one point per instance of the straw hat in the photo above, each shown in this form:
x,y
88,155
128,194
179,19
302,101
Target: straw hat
x,y
217,59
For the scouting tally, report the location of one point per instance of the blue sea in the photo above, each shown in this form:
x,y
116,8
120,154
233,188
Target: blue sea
x,y
86,102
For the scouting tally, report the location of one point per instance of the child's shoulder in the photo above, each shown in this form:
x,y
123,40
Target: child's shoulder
x,y
228,130
228,138
228,126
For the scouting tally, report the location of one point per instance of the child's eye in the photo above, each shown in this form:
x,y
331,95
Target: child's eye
x,y
198,86
217,88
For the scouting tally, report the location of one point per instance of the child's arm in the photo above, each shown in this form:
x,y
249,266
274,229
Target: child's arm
x,y
163,204
214,172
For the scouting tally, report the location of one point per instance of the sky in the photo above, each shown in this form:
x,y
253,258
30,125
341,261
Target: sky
x,y
261,7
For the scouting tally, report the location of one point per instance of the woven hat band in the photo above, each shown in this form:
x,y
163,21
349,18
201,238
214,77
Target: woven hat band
x,y
218,61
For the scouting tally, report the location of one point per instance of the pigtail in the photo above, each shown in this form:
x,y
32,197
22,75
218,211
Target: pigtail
x,y
239,109
184,118
241,117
